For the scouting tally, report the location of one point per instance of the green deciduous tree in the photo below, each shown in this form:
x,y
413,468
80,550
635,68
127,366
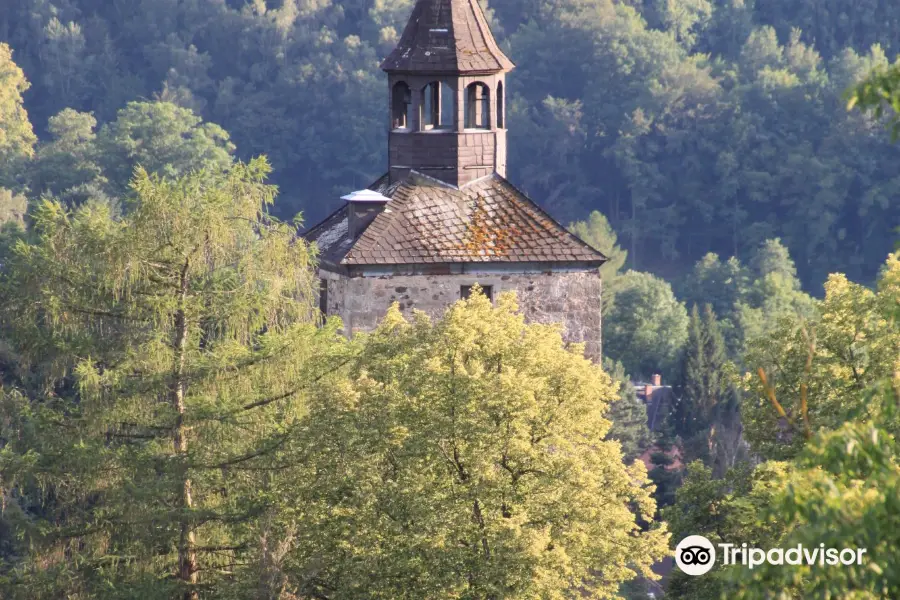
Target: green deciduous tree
x,y
465,458
161,138
16,136
880,92
162,362
647,326
748,300
67,165
818,370
842,495
775,292
729,509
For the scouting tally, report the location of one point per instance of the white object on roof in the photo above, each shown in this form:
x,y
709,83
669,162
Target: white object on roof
x,y
365,196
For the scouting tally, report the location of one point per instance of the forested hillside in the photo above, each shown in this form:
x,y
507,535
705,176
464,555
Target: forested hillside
x,y
694,125
180,419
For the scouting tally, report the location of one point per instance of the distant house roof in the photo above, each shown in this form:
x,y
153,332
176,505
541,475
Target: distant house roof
x,y
658,400
450,36
429,221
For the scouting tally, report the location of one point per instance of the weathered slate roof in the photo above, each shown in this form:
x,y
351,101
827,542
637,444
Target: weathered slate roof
x,y
428,221
447,36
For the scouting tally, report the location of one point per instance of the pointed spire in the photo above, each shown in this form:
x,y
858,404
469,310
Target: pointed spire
x,y
447,36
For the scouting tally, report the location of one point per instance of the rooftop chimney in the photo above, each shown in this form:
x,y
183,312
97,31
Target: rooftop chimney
x,y
656,380
362,208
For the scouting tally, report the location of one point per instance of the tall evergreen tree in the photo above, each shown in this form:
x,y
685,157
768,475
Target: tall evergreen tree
x,y
703,381
664,473
627,414
162,359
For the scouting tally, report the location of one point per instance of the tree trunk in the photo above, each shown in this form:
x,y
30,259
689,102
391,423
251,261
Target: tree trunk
x,y
634,233
187,553
479,519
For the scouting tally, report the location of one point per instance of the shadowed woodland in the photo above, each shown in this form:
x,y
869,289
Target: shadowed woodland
x,y
693,125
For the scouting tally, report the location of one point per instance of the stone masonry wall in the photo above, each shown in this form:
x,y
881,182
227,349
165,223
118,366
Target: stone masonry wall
x,y
572,299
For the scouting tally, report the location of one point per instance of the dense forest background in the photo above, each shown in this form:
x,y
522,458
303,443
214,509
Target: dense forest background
x,y
693,125
705,146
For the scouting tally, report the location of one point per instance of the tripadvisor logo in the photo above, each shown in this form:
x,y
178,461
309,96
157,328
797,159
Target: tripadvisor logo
x,y
696,555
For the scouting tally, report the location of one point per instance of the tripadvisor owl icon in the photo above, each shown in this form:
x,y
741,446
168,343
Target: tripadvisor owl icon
x,y
695,555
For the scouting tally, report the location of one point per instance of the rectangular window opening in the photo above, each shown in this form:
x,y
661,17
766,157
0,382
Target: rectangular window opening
x,y
323,297
465,292
430,106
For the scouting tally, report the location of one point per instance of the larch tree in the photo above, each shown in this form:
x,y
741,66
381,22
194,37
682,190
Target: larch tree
x,y
467,458
162,363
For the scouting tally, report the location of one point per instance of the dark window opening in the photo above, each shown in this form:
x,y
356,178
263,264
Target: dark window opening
x,y
448,107
436,108
401,106
465,292
500,115
478,106
323,297
431,105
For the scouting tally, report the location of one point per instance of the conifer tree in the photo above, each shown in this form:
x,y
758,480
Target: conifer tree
x,y
702,374
664,474
162,364
627,414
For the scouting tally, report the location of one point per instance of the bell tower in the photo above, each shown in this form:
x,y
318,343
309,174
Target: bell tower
x,y
446,85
